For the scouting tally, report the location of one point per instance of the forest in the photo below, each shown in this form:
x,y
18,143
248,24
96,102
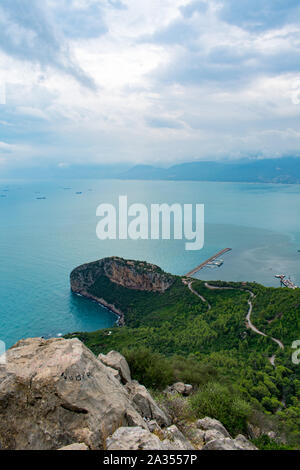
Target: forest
x,y
176,336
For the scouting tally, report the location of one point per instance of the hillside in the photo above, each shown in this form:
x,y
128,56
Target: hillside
x,y
173,334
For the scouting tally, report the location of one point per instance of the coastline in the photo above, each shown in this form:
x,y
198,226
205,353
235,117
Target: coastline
x,y
121,318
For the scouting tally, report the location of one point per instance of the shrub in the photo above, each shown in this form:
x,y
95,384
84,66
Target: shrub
x,y
264,442
217,401
150,368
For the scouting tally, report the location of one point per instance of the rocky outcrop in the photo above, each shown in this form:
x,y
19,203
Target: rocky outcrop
x,y
56,392
137,275
209,424
136,438
176,439
216,437
181,388
116,361
230,444
75,446
145,405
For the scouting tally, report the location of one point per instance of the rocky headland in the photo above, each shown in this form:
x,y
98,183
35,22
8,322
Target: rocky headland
x,y
136,275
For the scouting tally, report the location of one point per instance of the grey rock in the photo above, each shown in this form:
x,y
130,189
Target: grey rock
x,y
207,424
177,439
135,438
181,388
145,405
188,389
240,443
212,434
196,436
243,443
75,446
55,392
153,426
118,362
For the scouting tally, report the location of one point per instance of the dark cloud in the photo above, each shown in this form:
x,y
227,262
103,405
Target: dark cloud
x,y
27,34
260,14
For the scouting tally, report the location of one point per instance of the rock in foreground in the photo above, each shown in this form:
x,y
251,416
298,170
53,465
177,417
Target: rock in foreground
x,y
54,393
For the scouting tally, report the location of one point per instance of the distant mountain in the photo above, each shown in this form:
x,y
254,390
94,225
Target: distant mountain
x,y
279,170
276,170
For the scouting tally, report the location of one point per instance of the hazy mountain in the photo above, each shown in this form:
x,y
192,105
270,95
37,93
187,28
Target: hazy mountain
x,y
282,170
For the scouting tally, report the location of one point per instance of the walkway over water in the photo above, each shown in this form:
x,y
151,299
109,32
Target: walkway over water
x,y
209,260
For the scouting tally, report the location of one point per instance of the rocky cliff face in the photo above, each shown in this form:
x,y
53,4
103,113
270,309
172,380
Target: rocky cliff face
x,y
55,394
136,275
130,274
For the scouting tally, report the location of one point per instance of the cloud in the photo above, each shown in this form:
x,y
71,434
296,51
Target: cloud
x,y
28,34
163,122
259,15
6,148
176,80
81,20
194,7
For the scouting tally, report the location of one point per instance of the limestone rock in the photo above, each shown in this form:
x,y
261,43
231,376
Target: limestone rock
x,y
181,388
240,443
177,439
196,436
188,389
75,446
137,275
145,405
212,434
56,392
212,424
153,426
135,438
118,362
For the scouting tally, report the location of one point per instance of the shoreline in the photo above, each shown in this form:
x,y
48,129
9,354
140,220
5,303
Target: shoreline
x,y
112,308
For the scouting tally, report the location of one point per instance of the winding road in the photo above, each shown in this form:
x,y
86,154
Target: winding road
x,y
248,317
189,284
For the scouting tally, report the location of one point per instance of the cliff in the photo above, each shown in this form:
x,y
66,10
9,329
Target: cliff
x,y
95,280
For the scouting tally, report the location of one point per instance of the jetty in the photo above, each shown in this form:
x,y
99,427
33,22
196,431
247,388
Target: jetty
x,y
286,282
209,260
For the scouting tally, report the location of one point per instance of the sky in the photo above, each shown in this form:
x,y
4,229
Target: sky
x,y
153,81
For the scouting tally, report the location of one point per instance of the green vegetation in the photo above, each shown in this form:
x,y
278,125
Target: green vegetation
x,y
264,442
222,403
173,336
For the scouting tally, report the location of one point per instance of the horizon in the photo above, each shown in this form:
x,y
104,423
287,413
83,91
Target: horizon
x,y
111,82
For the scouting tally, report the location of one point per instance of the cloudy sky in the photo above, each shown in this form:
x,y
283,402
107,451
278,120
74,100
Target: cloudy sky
x,y
160,81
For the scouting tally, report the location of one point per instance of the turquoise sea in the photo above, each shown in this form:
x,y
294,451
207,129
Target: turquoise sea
x,y
42,240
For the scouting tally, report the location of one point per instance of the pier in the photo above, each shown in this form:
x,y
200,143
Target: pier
x,y
209,260
286,282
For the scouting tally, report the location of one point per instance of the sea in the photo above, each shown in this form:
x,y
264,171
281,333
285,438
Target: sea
x,y
47,228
